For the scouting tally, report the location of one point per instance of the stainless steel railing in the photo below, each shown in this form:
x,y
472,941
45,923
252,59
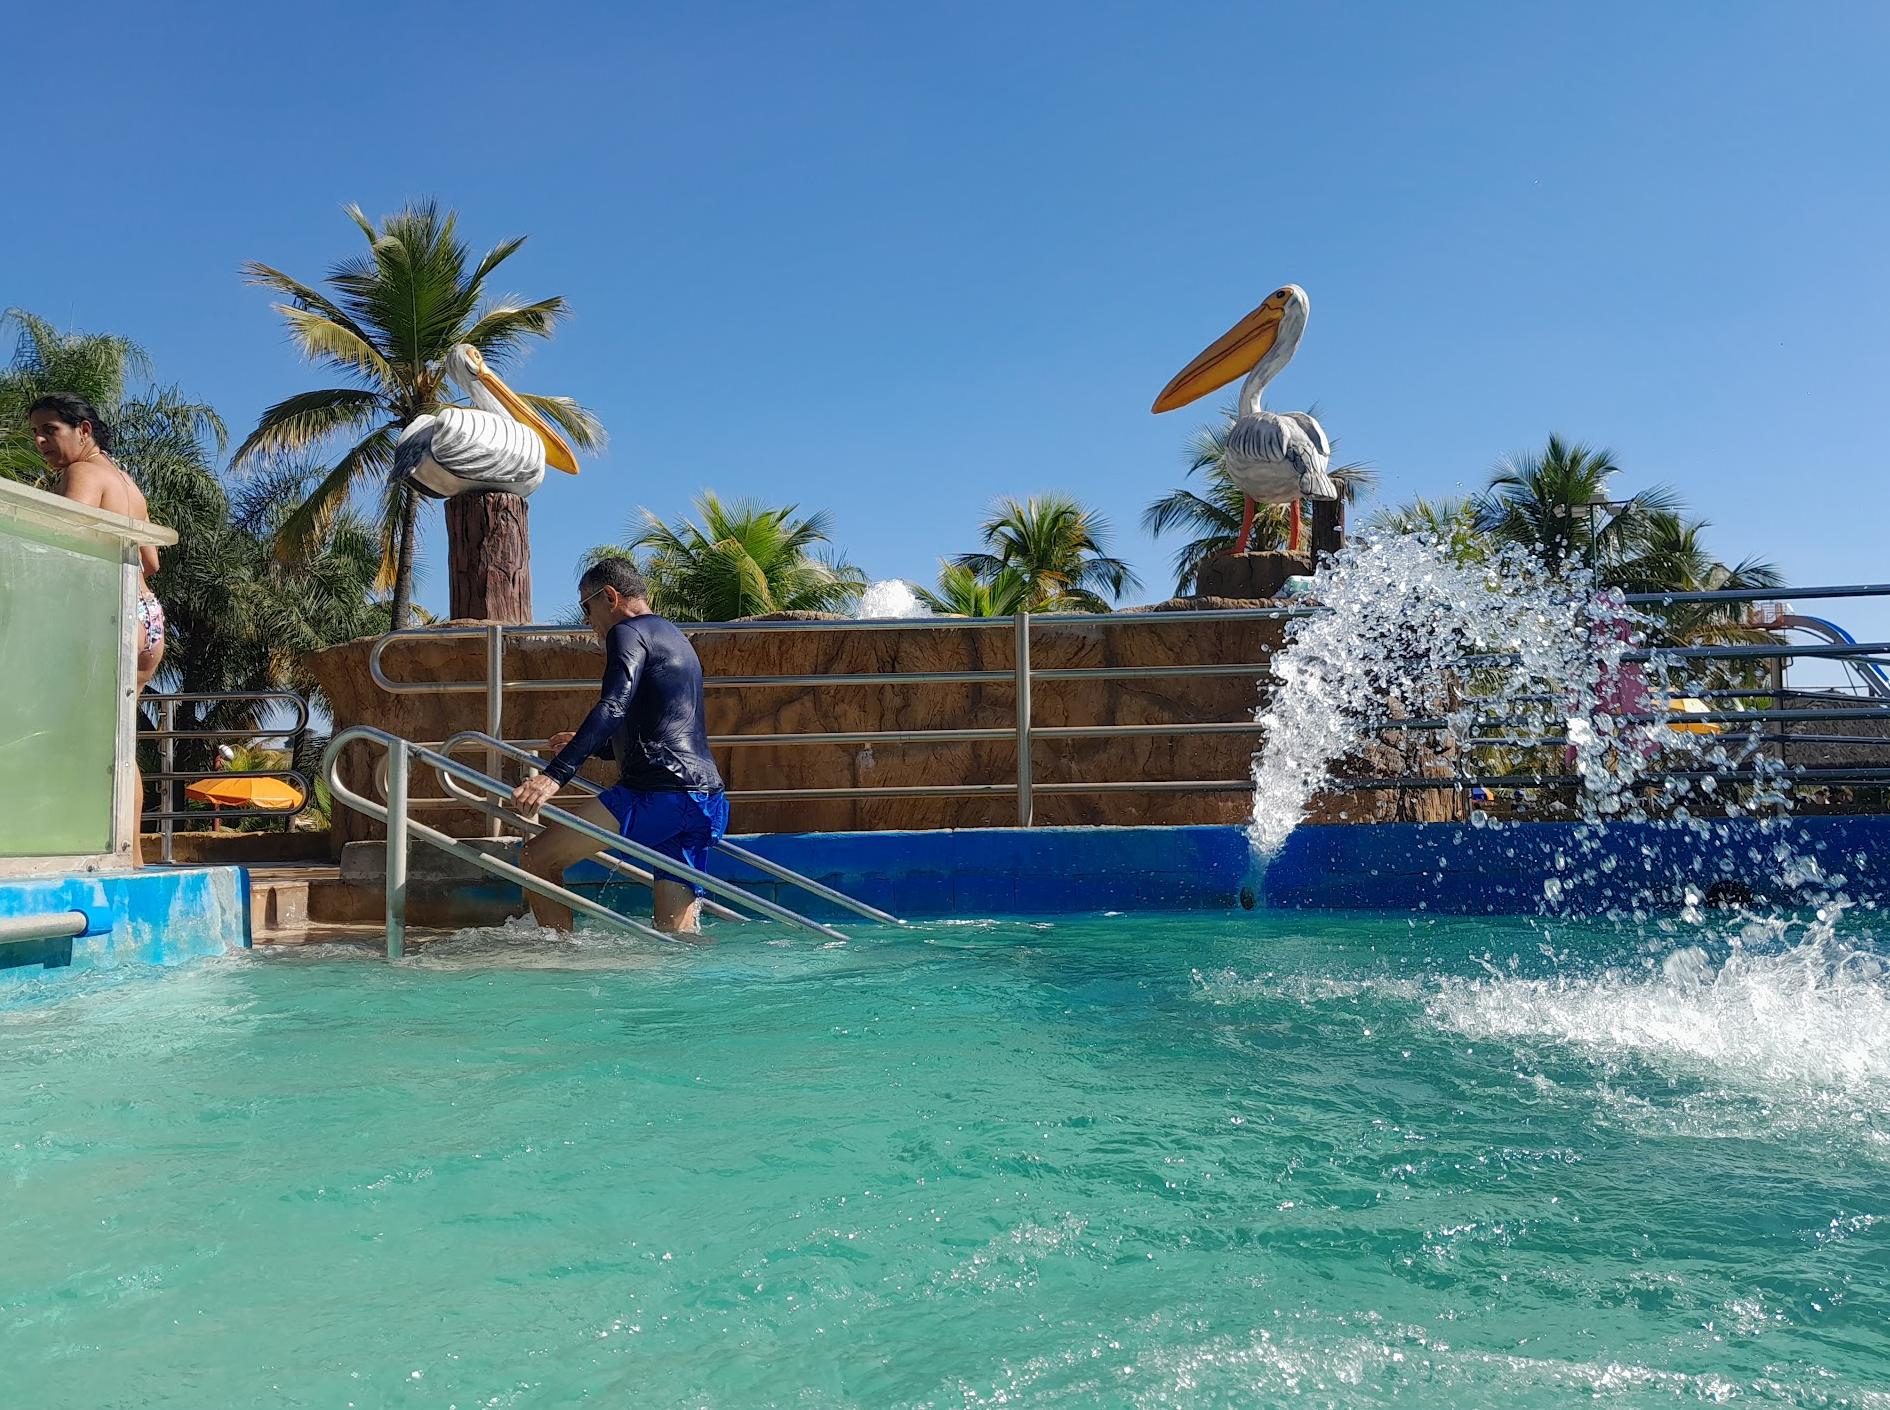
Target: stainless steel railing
x,y
169,775
1024,732
586,788
401,827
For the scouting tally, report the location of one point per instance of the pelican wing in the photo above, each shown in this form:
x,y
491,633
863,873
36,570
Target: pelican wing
x,y
1314,431
1309,452
492,451
413,454
1258,438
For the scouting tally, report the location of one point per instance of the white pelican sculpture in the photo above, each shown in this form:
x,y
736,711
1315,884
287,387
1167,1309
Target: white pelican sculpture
x,y
498,443
1274,458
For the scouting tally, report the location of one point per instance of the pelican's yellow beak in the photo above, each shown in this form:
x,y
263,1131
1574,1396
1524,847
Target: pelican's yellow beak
x,y
1231,355
558,452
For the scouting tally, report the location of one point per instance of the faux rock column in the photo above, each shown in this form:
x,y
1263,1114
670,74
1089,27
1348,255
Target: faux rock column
x,y
489,557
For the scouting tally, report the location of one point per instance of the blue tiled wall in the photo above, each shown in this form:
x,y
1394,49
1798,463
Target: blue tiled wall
x,y
993,871
1451,868
147,917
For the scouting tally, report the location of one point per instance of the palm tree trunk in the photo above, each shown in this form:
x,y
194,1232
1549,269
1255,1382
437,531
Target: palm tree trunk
x,y
489,557
403,560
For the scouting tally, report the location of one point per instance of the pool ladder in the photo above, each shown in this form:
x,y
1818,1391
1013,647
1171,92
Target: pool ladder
x,y
489,795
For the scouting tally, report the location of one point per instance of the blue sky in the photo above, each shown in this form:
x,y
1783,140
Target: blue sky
x,y
896,261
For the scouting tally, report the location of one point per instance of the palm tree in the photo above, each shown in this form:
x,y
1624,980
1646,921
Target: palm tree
x,y
1449,523
1555,504
1671,555
742,559
1213,515
391,316
1059,550
162,439
962,593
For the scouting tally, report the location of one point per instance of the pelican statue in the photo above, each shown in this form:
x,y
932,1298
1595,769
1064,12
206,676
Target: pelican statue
x,y
498,443
1275,458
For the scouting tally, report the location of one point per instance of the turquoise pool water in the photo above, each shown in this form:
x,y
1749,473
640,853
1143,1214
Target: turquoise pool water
x,y
1120,1160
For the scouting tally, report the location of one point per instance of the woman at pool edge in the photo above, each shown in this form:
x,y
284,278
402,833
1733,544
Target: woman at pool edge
x,y
74,441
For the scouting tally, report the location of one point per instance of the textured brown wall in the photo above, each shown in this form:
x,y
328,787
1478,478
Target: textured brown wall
x,y
1131,639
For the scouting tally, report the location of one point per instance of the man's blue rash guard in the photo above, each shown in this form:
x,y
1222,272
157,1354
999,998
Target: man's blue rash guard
x,y
650,717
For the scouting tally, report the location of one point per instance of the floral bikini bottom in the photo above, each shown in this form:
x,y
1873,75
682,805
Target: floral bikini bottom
x,y
150,622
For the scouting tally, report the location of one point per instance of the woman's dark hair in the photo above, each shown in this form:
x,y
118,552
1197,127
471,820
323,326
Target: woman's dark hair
x,y
75,411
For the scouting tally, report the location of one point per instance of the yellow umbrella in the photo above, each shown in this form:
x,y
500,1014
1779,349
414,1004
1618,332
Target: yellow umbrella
x,y
1691,705
246,793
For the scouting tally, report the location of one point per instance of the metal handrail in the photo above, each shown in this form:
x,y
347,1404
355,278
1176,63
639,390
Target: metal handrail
x,y
400,826
722,844
167,734
1021,674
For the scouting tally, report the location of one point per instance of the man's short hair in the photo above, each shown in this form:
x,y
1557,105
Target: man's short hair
x,y
618,573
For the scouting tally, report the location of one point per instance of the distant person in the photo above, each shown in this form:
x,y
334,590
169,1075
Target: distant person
x,y
74,441
649,719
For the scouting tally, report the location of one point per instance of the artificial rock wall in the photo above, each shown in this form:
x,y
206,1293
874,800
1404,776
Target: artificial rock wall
x,y
1146,638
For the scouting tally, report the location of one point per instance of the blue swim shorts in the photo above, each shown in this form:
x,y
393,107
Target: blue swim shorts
x,y
677,824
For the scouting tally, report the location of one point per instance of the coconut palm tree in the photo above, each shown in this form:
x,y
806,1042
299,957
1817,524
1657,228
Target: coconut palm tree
x,y
739,559
1058,548
386,322
962,593
1213,513
1671,555
1451,523
162,439
1555,503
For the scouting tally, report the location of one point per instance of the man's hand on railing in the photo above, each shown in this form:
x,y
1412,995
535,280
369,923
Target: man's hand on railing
x,y
557,742
533,794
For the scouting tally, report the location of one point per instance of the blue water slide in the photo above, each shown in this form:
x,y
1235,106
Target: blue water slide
x,y
1867,671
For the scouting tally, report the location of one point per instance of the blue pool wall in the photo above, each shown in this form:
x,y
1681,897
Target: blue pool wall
x,y
1444,868
155,917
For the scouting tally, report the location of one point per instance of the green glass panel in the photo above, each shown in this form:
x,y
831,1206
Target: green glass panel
x,y
60,602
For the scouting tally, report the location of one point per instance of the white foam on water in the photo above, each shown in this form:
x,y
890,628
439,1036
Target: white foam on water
x,y
891,599
519,943
1801,1023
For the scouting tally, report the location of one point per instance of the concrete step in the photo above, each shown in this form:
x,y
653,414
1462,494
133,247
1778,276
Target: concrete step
x,y
289,904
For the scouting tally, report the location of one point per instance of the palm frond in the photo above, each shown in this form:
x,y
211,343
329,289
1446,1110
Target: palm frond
x,y
299,423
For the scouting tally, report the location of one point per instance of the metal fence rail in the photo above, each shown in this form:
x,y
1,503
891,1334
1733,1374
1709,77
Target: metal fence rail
x,y
168,774
1026,678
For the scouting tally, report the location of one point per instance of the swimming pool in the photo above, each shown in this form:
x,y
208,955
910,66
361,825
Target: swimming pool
x,y
1142,1160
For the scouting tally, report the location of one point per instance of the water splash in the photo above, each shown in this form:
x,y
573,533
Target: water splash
x,y
892,599
1516,671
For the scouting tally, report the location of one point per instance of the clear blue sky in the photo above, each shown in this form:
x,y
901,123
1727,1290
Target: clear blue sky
x,y
897,260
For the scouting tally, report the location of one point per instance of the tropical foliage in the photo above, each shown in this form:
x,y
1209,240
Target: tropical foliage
x,y
1212,514
739,559
239,618
385,323
1056,548
962,593
1557,505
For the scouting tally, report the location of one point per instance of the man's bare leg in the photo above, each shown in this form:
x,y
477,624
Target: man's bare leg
x,y
554,849
678,909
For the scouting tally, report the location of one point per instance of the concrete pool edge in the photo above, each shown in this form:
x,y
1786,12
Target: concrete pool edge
x,y
152,917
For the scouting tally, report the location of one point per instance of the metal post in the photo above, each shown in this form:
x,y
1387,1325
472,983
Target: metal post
x,y
167,754
1025,807
495,708
396,847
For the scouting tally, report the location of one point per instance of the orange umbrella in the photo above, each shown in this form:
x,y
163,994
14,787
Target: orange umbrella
x,y
1690,705
246,793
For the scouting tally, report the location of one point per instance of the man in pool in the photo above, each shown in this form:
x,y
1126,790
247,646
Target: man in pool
x,y
649,718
